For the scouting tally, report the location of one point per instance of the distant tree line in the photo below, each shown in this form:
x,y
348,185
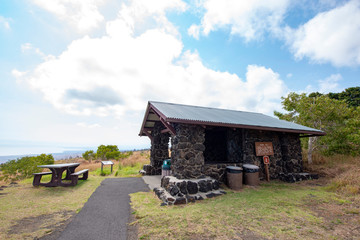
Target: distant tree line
x,y
337,114
106,153
24,167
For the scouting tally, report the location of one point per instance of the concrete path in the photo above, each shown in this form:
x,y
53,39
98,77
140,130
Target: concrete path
x,y
152,181
105,215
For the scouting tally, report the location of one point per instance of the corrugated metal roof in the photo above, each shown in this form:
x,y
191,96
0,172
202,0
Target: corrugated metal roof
x,y
179,113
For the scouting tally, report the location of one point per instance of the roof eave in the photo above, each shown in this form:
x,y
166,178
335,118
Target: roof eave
x,y
144,120
204,123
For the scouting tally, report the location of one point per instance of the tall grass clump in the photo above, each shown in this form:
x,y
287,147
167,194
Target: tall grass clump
x,y
343,172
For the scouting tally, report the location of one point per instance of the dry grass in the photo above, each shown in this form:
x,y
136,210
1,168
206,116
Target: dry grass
x,y
141,157
343,172
27,212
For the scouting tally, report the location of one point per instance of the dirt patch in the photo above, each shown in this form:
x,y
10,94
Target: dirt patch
x,y
340,218
132,228
53,224
249,235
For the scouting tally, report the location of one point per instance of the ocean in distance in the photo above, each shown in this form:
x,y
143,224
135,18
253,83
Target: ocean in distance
x,y
14,152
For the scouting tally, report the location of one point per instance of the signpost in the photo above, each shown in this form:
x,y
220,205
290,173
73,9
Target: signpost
x,y
267,163
265,149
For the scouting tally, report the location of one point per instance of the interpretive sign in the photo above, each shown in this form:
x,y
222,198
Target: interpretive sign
x,y
264,148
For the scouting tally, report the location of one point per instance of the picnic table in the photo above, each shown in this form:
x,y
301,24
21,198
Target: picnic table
x,y
57,172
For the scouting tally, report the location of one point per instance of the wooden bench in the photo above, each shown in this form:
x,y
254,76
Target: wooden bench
x,y
75,176
37,177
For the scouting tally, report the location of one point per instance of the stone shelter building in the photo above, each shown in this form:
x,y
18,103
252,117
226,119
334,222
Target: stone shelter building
x,y
205,140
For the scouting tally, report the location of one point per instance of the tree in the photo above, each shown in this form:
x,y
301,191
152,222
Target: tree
x,y
329,115
350,95
89,155
108,152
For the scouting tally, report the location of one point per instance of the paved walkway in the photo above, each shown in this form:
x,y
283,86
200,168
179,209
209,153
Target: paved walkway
x,y
153,181
105,215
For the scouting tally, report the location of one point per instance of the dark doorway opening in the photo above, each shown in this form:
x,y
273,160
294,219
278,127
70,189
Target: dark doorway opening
x,y
215,145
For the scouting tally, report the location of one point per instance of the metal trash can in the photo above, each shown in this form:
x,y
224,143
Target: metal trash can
x,y
166,168
251,175
234,177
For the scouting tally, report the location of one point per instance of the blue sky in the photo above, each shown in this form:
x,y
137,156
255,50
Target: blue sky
x,y
79,73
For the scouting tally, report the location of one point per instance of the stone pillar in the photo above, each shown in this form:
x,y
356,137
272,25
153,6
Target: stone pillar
x,y
291,153
187,147
159,148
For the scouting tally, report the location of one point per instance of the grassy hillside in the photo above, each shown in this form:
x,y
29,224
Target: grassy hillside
x,y
328,208
28,212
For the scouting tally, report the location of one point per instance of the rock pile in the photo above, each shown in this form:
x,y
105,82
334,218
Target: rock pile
x,y
175,191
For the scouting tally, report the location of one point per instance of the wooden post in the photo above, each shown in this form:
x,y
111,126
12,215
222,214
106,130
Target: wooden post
x,y
266,164
267,172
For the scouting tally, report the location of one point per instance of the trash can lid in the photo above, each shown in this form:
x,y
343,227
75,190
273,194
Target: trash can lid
x,y
234,168
251,166
167,162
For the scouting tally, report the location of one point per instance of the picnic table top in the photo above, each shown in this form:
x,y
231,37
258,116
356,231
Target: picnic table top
x,y
60,165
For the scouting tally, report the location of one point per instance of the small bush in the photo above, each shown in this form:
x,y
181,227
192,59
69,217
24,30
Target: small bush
x,y
24,167
89,155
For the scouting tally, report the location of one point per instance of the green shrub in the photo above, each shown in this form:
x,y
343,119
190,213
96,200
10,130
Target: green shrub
x,y
108,152
24,167
89,155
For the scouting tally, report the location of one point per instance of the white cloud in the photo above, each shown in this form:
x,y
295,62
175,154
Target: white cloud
x,y
28,47
248,19
289,75
331,36
86,125
16,73
194,31
4,22
119,72
330,84
83,15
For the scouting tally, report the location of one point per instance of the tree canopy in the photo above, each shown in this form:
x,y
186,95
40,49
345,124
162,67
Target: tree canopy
x,y
339,119
108,152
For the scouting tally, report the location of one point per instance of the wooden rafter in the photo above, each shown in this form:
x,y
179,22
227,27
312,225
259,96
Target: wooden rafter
x,y
168,126
165,130
148,134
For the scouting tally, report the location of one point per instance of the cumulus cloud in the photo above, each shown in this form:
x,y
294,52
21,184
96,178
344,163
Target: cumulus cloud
x,y
248,19
331,36
82,15
120,71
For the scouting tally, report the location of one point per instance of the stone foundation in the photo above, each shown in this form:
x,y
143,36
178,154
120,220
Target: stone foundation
x,y
174,191
296,177
218,171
